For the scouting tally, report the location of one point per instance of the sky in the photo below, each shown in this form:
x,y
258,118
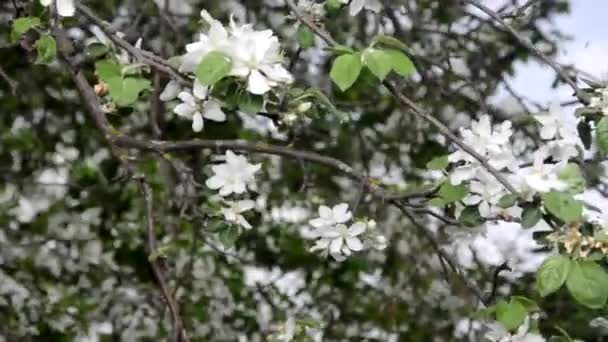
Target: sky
x,y
588,50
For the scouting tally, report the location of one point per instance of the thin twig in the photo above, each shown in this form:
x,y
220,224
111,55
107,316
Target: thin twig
x,y
11,82
528,45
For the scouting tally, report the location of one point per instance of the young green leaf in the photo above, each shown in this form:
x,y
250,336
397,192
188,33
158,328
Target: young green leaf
x,y
250,103
452,193
96,50
470,217
563,206
125,92
346,70
587,282
572,175
229,236
401,63
601,134
47,49
511,314
379,62
305,37
507,201
22,25
530,217
107,70
213,67
552,274
438,163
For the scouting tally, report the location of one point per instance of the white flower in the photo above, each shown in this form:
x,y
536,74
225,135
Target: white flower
x,y
197,105
600,101
340,241
357,6
234,210
492,144
65,8
171,91
256,55
541,177
485,192
557,124
330,217
288,330
216,39
498,333
233,176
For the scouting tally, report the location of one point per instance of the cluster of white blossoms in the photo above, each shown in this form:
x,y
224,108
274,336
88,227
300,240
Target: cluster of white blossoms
x,y
538,173
338,239
235,176
255,55
65,8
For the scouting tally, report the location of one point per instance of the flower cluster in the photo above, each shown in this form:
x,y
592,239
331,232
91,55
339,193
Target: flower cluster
x,y
196,105
234,176
338,239
255,55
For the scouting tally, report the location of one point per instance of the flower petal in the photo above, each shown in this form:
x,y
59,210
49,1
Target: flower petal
x,y
66,8
354,244
257,83
213,111
197,122
357,229
172,89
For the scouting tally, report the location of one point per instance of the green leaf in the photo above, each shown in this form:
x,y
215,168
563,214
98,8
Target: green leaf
x,y
470,217
346,70
511,315
125,92
528,303
250,103
391,41
107,70
229,236
401,63
452,193
214,66
95,50
379,62
507,201
563,206
588,284
47,49
438,163
552,274
601,135
572,175
22,25
305,37
584,132
530,217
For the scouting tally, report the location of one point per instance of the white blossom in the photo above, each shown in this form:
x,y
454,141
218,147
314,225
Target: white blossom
x,y
331,216
197,105
65,8
233,213
357,6
485,192
340,241
541,177
233,176
256,55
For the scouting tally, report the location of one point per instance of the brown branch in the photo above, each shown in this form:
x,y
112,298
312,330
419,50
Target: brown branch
x,y
408,103
528,45
141,55
151,247
440,252
10,81
93,108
